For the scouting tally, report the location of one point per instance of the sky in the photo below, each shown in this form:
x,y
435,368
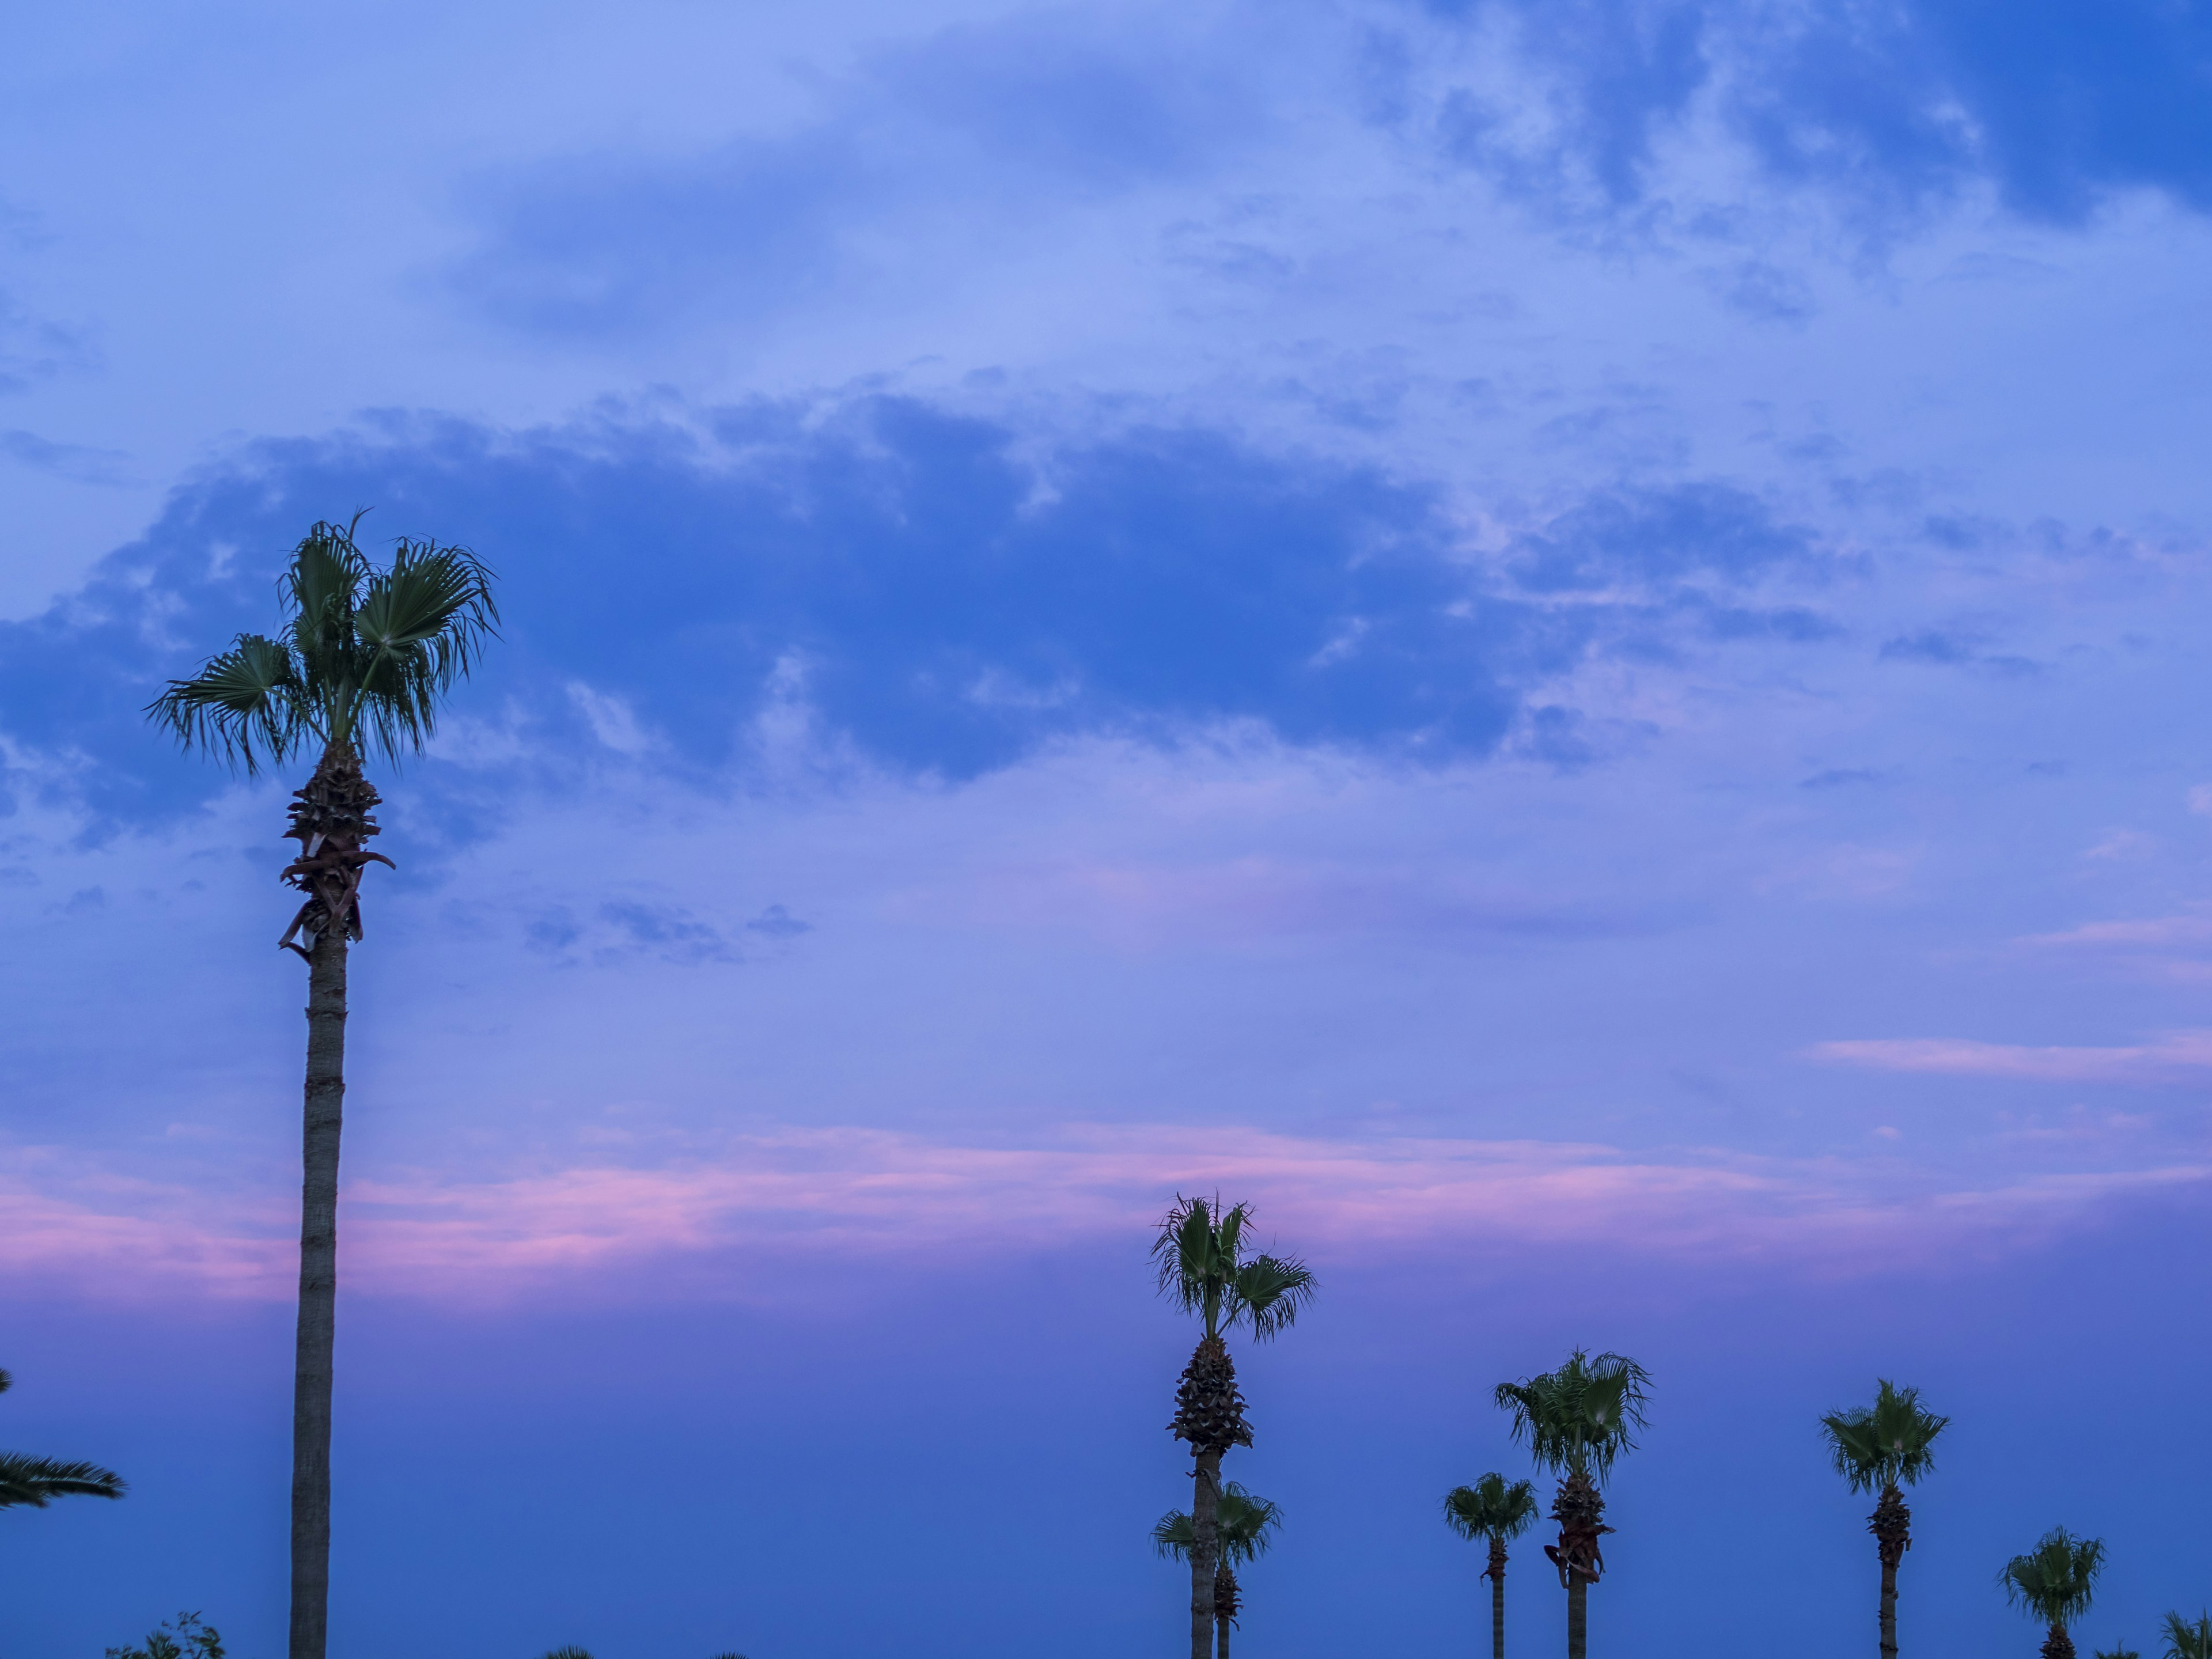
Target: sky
x,y
1559,642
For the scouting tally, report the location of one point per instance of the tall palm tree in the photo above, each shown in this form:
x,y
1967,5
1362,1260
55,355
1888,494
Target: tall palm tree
x,y
1244,1528
28,1482
1203,1269
1500,1510
364,659
2186,1641
2053,1583
1575,1421
1878,1449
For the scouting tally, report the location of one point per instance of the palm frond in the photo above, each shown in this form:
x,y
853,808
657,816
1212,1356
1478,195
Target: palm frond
x,y
2185,1640
250,694
6,1380
34,1482
1890,1443
1492,1507
1245,1524
321,587
2117,1651
1268,1292
1173,1535
1579,1418
2054,1581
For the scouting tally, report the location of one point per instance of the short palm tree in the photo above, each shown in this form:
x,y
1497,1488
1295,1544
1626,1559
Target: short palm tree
x,y
1200,1252
34,1482
2053,1583
2186,1641
363,663
1244,1528
1575,1421
1499,1511
1879,1448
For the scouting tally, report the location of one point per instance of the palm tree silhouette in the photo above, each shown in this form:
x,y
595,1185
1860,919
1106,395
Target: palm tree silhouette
x,y
2053,1583
1199,1254
1575,1421
1244,1529
1878,1449
1499,1511
28,1482
2186,1641
364,659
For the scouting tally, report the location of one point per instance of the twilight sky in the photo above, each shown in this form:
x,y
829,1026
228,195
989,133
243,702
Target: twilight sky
x,y
1558,640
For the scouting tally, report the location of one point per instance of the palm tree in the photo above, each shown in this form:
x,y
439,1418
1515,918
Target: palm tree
x,y
34,1482
2186,1641
1575,1421
1203,1269
1244,1527
364,659
2117,1651
2053,1583
1500,1510
1880,1448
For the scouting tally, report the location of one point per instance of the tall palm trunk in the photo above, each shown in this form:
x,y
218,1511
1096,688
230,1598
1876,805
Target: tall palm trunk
x,y
1209,1416
1577,1617
319,1285
1892,1526
1580,1511
1204,1543
1496,1574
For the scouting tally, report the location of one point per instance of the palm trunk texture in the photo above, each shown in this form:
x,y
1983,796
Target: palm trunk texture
x,y
1226,1606
2058,1644
1204,1542
1577,1617
332,823
1892,1526
1496,1574
1210,1415
1580,1511
318,1286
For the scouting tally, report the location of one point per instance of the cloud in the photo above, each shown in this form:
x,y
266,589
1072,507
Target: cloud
x,y
834,1195
2180,1057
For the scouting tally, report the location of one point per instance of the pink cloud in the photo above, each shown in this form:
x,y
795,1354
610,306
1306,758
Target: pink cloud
x,y
2175,1057
827,1197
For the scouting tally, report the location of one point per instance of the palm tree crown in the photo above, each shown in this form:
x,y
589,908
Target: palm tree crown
x,y
1203,1269
2186,1641
2054,1581
1244,1528
363,662
34,1482
1493,1508
1577,1419
1889,1443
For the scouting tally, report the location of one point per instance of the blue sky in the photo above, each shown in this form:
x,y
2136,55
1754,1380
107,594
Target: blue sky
x,y
1557,640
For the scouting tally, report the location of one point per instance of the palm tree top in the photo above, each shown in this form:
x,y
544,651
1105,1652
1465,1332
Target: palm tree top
x,y
1245,1527
1578,1419
363,659
1492,1507
2055,1580
1889,1443
2185,1640
1203,1269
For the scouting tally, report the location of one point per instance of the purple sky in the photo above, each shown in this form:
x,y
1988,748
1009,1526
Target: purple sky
x,y
1558,640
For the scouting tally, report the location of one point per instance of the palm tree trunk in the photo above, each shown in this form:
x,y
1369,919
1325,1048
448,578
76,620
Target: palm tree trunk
x,y
318,1285
1889,1610
2058,1644
1497,1577
1578,1616
1204,1501
1891,1523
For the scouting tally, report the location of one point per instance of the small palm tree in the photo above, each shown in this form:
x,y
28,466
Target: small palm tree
x,y
1244,1529
1878,1449
34,1482
2053,1583
2186,1641
1499,1511
364,660
1203,1269
1575,1421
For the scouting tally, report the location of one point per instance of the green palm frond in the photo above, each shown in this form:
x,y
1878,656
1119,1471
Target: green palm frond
x,y
1199,1255
365,658
34,1482
1493,1507
1889,1443
569,1652
1578,1419
1244,1528
2117,1651
2053,1583
2185,1640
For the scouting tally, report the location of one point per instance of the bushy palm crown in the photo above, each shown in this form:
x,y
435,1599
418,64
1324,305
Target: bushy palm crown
x,y
35,1482
2054,1581
1203,1269
1889,1443
1577,1419
363,659
1245,1527
1492,1507
2186,1641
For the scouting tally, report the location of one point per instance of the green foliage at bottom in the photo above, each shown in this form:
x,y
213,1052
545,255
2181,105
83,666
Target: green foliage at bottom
x,y
185,1638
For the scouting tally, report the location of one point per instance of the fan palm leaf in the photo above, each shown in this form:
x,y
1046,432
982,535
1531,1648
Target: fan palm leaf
x,y
2185,1640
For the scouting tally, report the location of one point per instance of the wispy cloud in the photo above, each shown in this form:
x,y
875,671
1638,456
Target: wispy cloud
x,y
2181,1054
